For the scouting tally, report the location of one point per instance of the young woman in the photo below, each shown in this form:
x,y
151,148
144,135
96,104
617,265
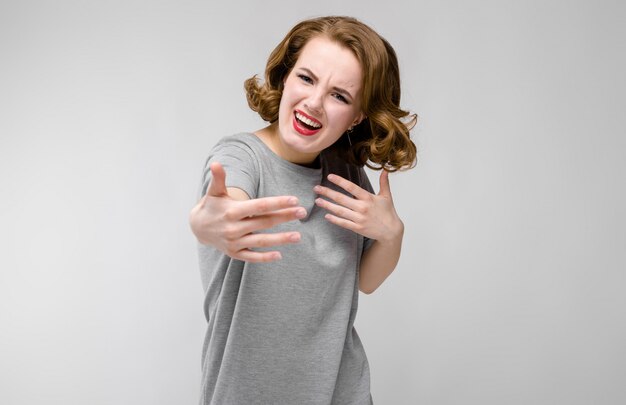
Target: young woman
x,y
289,227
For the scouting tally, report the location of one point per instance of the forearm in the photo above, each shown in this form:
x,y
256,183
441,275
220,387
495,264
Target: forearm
x,y
379,261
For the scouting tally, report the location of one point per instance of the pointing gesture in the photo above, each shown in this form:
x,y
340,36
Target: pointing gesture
x,y
227,219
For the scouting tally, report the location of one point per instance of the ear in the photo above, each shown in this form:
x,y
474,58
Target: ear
x,y
360,117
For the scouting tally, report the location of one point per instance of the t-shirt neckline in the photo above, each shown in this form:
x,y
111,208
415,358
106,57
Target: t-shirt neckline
x,y
303,170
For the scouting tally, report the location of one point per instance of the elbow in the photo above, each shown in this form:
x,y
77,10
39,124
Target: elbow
x,y
366,289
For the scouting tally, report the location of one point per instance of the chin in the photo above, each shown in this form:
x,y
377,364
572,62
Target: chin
x,y
298,142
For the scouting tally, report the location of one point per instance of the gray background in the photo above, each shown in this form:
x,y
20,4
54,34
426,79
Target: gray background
x,y
510,287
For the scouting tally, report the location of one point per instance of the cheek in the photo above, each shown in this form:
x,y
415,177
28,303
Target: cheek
x,y
342,117
288,99
285,105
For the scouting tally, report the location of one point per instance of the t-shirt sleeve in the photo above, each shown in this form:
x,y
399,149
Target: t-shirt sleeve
x,y
240,166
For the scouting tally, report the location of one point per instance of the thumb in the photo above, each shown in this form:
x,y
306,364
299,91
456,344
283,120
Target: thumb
x,y
385,189
217,187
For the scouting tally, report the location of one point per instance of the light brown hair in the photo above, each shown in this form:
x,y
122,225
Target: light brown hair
x,y
381,140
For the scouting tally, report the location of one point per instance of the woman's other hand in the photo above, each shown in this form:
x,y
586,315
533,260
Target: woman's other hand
x,y
371,215
227,219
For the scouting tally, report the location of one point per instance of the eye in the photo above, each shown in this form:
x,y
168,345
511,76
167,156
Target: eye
x,y
340,98
305,78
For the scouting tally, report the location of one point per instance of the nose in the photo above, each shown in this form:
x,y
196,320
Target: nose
x,y
314,101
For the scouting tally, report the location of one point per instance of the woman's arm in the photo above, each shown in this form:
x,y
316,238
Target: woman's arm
x,y
379,261
373,216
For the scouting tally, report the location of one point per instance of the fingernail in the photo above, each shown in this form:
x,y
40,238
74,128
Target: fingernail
x,y
317,189
301,213
278,256
294,237
293,201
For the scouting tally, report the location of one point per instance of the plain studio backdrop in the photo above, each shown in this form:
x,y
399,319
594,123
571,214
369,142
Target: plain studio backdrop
x,y
510,289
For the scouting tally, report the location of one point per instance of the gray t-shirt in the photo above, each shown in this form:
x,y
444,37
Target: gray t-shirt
x,y
283,332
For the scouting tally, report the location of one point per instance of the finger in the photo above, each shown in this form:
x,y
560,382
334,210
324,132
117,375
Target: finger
x,y
337,210
336,196
349,186
261,222
217,187
262,206
385,189
344,223
263,240
247,255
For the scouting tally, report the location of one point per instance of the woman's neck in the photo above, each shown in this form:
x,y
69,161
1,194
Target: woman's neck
x,y
271,138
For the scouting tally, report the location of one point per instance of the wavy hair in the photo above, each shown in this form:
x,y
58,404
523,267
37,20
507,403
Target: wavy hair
x,y
382,140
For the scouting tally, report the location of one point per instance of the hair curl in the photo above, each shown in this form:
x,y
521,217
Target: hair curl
x,y
382,139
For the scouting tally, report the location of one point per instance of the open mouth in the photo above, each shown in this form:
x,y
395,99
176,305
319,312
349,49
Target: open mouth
x,y
305,124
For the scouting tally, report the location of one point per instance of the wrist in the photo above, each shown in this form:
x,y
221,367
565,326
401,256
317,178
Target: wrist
x,y
394,235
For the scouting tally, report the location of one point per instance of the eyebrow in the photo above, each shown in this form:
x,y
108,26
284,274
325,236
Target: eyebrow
x,y
337,89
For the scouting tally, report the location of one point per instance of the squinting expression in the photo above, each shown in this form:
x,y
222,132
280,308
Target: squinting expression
x,y
320,101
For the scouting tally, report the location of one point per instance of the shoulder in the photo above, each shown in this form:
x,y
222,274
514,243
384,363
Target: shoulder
x,y
242,148
244,142
238,154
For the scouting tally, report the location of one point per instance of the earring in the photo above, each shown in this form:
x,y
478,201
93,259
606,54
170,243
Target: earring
x,y
348,132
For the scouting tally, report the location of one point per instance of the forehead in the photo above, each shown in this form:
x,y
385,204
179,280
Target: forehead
x,y
328,59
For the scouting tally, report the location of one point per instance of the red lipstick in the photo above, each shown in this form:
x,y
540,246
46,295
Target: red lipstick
x,y
305,128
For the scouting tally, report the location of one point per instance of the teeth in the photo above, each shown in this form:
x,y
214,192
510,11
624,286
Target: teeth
x,y
307,121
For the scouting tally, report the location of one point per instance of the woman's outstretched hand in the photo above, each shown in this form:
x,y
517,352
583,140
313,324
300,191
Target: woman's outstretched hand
x,y
371,215
227,219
